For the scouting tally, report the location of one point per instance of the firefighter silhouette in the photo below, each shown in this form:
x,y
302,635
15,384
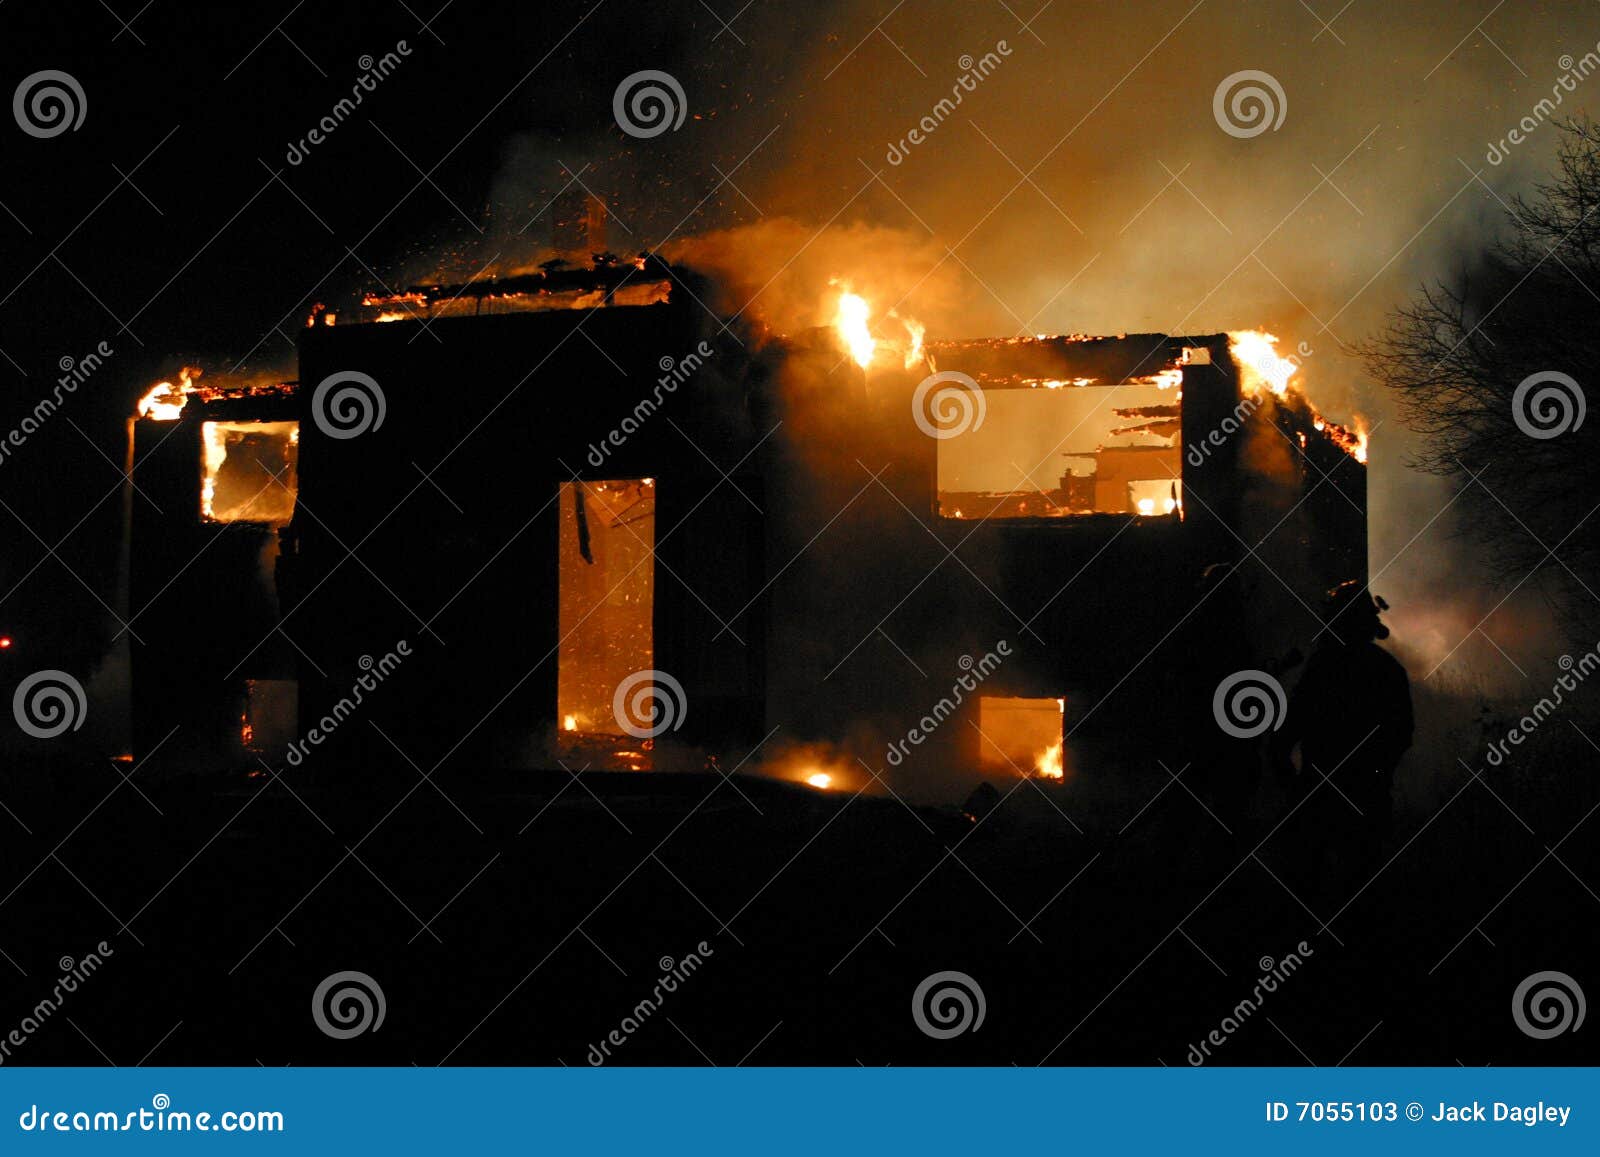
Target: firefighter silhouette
x,y
1350,716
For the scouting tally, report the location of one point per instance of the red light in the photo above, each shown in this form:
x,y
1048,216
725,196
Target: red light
x,y
5,641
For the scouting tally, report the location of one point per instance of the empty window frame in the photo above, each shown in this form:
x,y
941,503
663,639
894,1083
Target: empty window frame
x,y
606,597
1065,452
249,471
1023,736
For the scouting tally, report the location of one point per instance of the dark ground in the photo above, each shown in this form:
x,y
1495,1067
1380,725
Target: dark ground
x,y
226,900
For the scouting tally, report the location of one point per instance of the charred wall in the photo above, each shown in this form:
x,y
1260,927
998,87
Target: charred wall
x,y
880,604
440,526
203,598
804,578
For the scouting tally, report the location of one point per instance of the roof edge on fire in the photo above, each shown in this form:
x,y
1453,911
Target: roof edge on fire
x,y
1073,359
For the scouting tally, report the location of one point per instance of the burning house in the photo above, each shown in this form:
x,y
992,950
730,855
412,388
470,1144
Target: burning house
x,y
550,484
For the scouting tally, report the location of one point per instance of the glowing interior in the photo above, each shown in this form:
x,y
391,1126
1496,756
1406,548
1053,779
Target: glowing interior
x,y
1020,736
1065,450
249,471
607,597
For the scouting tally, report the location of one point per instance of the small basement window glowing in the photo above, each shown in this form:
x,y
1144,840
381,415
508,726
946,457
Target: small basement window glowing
x,y
607,598
249,471
1023,736
1066,452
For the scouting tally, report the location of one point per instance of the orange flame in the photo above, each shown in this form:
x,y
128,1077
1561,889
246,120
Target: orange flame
x,y
1261,369
1048,764
1257,355
850,320
917,332
163,402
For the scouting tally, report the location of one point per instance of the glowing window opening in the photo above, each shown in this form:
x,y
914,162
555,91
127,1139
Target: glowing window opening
x,y
249,471
606,603
1066,452
1021,736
